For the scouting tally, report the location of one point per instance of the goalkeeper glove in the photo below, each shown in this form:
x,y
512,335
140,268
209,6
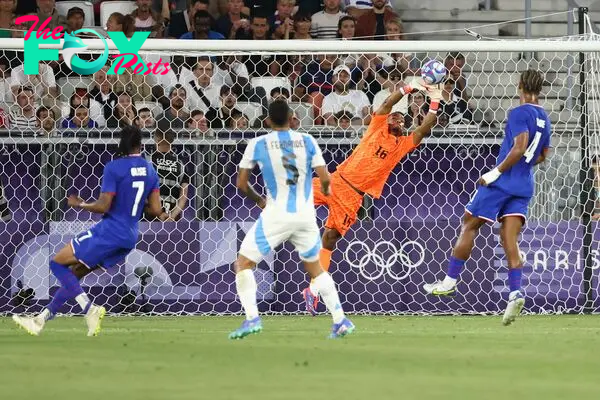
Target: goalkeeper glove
x,y
490,177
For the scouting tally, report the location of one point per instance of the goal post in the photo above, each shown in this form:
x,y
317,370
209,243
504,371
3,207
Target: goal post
x,y
399,241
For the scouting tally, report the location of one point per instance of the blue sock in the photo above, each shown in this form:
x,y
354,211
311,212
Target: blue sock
x,y
69,281
514,278
61,296
454,267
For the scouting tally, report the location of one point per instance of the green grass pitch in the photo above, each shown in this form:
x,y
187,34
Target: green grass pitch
x,y
539,357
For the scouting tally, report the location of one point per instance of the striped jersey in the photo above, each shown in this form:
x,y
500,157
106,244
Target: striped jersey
x,y
286,160
325,25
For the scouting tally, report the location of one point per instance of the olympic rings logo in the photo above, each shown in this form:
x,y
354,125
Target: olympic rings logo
x,y
376,256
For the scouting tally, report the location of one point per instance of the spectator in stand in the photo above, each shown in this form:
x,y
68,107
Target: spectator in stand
x,y
6,18
417,110
316,82
47,9
146,19
238,121
371,24
140,87
22,116
343,119
124,112
401,61
202,25
325,23
103,92
197,124
357,8
259,29
455,62
203,93
176,115
346,28
182,23
257,64
80,119
145,120
234,21
277,93
301,31
75,19
82,97
219,118
46,121
345,99
118,22
294,121
392,83
232,72
44,83
16,58
453,106
282,19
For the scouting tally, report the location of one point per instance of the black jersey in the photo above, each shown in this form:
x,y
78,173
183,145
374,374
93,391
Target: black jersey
x,y
172,176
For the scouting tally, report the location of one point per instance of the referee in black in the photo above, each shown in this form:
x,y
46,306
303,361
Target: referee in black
x,y
173,179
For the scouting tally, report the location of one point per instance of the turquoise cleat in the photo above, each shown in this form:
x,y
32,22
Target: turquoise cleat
x,y
248,328
342,329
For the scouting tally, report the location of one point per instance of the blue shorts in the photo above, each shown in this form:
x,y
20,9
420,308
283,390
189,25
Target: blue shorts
x,y
493,204
93,248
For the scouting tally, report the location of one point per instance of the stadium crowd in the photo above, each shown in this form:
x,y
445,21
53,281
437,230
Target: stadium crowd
x,y
202,95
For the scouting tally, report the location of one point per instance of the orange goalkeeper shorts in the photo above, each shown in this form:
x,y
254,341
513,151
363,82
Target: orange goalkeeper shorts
x,y
343,203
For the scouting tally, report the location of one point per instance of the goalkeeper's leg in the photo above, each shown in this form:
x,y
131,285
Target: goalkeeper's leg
x,y
509,233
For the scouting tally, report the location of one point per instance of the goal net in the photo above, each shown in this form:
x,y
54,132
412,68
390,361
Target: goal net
x,y
214,100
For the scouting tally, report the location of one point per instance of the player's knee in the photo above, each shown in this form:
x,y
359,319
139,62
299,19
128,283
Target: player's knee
x,y
243,263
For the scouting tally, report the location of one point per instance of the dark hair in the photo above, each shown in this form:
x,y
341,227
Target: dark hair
x,y
225,90
42,109
259,14
141,110
202,14
531,81
341,21
168,135
126,21
280,90
279,113
455,55
196,112
193,2
72,108
343,115
25,89
302,16
131,138
177,87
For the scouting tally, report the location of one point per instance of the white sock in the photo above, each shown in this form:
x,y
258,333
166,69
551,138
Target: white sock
x,y
83,301
448,282
326,288
246,289
44,315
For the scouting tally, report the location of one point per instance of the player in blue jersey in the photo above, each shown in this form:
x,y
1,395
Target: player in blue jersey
x,y
505,193
128,182
286,159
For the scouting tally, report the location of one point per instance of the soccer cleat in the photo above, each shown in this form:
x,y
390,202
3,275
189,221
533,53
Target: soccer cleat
x,y
311,301
515,305
342,329
439,289
31,325
248,328
93,318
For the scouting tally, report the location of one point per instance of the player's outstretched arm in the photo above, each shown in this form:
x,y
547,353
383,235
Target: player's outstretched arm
x,y
516,152
394,98
100,206
325,179
244,186
422,131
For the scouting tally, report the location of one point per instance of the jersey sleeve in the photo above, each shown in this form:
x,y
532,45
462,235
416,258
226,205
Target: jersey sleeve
x,y
317,158
248,161
109,180
518,121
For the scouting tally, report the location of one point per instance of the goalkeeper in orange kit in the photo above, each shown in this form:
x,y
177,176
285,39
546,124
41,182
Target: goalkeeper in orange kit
x,y
383,145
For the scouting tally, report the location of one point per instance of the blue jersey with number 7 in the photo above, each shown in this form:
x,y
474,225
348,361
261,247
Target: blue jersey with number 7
x,y
532,119
130,179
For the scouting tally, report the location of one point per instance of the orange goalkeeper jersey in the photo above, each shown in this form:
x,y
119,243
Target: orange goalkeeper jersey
x,y
375,157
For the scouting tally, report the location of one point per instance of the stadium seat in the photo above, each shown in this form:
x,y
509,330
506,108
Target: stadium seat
x,y
250,110
304,112
270,82
67,86
109,7
152,105
87,7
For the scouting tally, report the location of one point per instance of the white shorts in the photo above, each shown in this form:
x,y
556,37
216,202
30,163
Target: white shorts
x,y
270,230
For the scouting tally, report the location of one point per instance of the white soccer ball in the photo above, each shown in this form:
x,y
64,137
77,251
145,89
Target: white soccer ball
x,y
433,72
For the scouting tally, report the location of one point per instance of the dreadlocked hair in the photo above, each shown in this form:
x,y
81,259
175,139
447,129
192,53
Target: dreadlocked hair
x,y
532,81
131,138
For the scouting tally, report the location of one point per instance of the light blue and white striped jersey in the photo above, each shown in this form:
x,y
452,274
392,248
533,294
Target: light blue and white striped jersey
x,y
286,160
